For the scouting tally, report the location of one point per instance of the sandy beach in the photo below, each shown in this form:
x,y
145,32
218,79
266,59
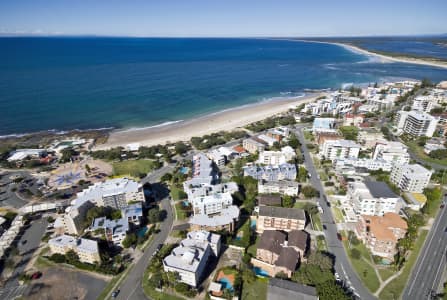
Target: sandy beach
x,y
385,58
225,120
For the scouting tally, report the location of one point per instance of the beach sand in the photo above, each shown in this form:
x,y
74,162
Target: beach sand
x,y
385,58
225,120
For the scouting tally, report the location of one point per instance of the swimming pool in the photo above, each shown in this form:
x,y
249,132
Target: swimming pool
x,y
226,284
184,170
142,232
253,223
260,272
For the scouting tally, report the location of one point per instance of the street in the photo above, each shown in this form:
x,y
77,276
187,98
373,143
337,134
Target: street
x,y
342,264
427,273
131,287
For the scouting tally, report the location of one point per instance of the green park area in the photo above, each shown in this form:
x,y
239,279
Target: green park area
x,y
134,168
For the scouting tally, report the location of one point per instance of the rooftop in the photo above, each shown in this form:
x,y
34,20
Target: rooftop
x,y
381,227
226,216
379,189
84,245
272,240
280,289
299,239
282,212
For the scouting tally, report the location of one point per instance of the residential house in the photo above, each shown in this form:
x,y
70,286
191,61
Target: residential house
x,y
269,200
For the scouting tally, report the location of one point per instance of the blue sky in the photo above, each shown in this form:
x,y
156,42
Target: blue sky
x,y
222,18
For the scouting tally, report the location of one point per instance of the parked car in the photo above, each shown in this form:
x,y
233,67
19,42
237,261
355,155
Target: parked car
x,y
36,275
115,293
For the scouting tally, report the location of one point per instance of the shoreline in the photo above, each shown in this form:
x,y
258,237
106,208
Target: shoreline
x,y
386,58
226,120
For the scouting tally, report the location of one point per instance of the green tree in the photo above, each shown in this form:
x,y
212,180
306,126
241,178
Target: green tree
x,y
71,257
166,177
67,154
287,201
116,214
153,215
129,240
349,132
181,148
302,174
355,253
309,192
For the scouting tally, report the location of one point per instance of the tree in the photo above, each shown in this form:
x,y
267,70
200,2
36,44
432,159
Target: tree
x,y
349,132
181,148
129,240
116,214
426,83
355,253
309,192
287,201
293,141
302,174
166,177
71,257
87,168
67,154
153,215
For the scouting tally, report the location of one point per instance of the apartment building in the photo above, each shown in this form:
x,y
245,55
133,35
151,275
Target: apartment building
x,y
324,125
338,149
366,163
372,198
394,152
280,218
114,230
86,249
410,178
271,173
416,123
424,103
381,233
290,188
276,158
226,220
190,258
254,144
212,204
203,172
72,222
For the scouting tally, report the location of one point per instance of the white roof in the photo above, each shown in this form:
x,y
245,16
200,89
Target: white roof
x,y
226,216
84,245
20,154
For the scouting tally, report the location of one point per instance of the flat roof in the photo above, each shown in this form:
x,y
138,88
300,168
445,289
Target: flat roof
x,y
379,189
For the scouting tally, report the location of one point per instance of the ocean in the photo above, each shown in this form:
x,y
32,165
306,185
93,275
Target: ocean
x,y
90,83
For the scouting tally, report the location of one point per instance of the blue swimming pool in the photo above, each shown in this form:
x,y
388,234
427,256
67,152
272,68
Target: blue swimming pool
x,y
253,223
226,284
185,203
184,170
260,272
142,232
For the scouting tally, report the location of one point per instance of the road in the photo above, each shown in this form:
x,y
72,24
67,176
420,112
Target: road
x,y
27,246
342,264
427,274
131,287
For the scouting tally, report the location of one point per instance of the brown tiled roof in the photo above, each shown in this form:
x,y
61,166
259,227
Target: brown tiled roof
x,y
380,227
272,240
239,149
299,239
288,258
269,200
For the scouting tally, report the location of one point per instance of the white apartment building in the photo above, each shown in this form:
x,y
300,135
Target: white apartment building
x,y
338,149
372,198
203,172
207,190
416,123
86,249
211,204
73,219
114,230
367,163
424,103
116,193
290,188
394,152
410,178
190,258
276,158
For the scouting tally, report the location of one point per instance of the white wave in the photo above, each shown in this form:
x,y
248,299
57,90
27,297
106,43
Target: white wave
x,y
149,127
54,131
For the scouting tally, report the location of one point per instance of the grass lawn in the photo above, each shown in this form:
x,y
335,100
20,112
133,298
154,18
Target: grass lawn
x,y
177,193
338,215
394,289
256,290
317,222
252,248
323,176
152,293
321,243
365,272
301,203
419,151
386,273
181,214
308,135
133,167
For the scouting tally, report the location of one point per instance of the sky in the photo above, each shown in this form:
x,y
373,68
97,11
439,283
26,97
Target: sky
x,y
222,18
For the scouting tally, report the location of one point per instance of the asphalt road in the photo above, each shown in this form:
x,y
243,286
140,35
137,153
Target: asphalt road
x,y
342,264
32,235
131,287
427,274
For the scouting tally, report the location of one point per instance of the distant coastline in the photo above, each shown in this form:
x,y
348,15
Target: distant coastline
x,y
390,58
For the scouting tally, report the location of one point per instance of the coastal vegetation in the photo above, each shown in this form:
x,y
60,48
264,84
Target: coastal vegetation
x,y
271,123
209,140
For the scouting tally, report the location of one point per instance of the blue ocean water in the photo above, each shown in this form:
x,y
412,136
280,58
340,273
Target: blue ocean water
x,y
84,83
